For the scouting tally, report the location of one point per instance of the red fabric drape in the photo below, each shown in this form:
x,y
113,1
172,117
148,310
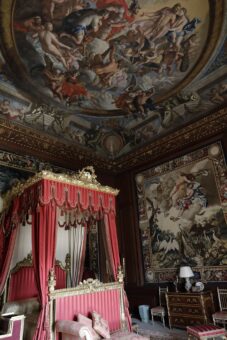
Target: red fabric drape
x,y
113,250
112,243
10,221
60,277
43,251
22,285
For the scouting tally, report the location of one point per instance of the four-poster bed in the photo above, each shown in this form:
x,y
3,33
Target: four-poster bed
x,y
43,199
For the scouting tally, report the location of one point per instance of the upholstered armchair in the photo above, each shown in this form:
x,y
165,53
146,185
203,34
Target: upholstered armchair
x,y
28,307
11,327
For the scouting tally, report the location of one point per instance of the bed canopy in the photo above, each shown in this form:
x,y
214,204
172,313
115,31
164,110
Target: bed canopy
x,y
81,199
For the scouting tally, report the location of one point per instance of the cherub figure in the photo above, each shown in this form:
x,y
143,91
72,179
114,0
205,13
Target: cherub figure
x,y
50,43
56,81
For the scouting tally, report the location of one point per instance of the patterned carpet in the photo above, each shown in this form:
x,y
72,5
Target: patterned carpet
x,y
156,335
158,332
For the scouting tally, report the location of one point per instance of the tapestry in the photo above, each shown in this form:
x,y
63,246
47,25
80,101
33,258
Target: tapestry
x,y
15,168
182,216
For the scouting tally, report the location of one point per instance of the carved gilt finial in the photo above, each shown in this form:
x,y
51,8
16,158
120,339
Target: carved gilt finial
x,y
51,281
120,274
90,284
88,175
67,262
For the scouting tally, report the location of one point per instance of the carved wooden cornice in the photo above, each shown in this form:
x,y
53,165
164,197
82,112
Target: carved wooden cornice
x,y
32,142
196,132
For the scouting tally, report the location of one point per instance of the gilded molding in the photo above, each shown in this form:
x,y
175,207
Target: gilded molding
x,y
120,274
51,281
26,262
32,141
85,287
193,133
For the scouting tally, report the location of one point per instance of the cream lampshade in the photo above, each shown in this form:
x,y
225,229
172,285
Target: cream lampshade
x,y
186,272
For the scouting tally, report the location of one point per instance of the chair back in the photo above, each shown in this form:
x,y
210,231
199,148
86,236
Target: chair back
x,y
222,298
162,295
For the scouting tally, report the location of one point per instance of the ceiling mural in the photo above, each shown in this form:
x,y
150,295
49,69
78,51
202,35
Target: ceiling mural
x,y
111,75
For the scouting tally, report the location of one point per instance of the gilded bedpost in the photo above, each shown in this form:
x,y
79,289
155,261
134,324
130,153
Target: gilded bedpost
x,y
120,274
68,268
120,277
51,288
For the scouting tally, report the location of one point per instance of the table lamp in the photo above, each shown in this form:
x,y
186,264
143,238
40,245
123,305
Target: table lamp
x,y
186,272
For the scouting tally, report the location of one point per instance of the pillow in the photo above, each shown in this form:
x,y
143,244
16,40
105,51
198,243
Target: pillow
x,y
100,325
88,322
83,319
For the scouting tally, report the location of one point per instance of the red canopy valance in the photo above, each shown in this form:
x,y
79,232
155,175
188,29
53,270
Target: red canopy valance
x,y
65,191
66,195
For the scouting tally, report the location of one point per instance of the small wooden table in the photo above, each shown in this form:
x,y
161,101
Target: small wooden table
x,y
205,332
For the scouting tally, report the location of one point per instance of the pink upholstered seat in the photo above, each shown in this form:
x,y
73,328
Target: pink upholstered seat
x,y
205,331
220,315
158,309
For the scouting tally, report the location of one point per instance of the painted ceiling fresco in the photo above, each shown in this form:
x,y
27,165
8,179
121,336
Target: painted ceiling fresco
x,y
111,75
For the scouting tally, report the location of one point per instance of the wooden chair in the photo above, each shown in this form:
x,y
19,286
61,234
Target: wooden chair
x,y
161,309
220,317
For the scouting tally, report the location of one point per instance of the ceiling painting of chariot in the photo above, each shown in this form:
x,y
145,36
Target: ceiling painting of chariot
x,y
107,57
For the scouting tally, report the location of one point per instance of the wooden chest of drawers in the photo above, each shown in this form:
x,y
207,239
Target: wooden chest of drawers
x,y
187,309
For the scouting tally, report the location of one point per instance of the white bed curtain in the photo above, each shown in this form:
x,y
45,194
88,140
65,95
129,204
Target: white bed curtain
x,y
77,246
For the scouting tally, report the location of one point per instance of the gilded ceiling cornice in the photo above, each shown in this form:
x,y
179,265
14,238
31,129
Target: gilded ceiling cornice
x,y
193,133
16,136
29,140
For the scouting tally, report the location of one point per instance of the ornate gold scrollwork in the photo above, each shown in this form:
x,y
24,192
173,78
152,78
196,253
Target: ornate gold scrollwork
x,y
120,274
51,281
90,284
87,175
26,262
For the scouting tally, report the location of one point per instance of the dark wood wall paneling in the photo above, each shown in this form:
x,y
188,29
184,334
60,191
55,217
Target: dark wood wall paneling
x,y
127,217
129,235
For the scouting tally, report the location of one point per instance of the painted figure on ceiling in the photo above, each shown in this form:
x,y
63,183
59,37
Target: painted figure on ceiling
x,y
113,46
158,24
